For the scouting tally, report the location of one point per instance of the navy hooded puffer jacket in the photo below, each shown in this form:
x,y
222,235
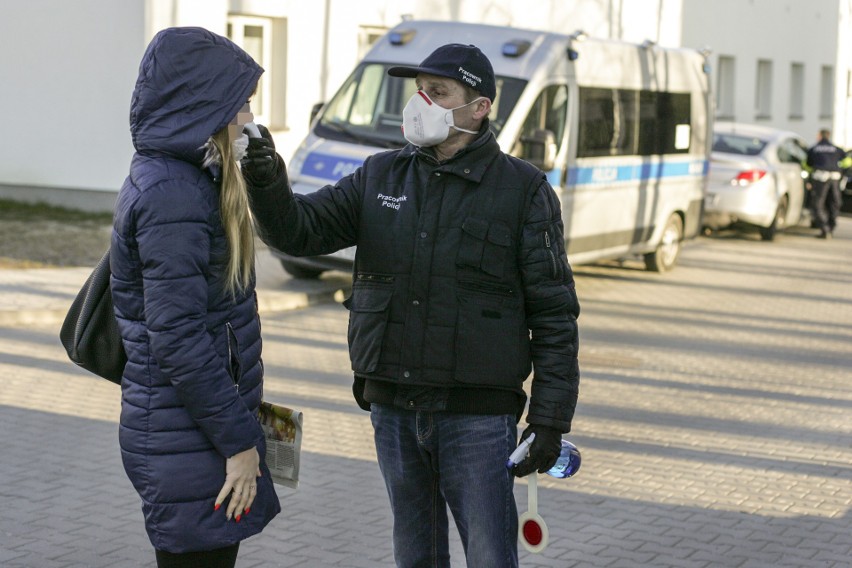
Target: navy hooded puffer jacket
x,y
188,341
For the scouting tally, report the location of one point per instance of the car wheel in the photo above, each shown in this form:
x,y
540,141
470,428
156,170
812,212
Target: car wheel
x,y
668,249
778,223
299,271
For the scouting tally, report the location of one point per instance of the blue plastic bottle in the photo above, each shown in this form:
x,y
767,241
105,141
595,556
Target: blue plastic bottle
x,y
568,463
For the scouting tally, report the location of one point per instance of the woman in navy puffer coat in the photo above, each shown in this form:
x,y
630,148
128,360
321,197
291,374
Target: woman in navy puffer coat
x,y
182,263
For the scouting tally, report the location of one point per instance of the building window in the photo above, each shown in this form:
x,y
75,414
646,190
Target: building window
x,y
763,90
255,36
725,88
797,90
826,96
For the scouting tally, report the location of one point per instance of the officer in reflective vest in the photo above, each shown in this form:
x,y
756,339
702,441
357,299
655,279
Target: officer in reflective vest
x,y
825,162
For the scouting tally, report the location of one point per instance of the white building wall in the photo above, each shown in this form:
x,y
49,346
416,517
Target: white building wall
x,y
68,71
78,66
783,32
322,50
73,65
630,20
161,14
843,88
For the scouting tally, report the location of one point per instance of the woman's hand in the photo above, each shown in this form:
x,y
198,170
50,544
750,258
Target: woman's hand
x,y
241,473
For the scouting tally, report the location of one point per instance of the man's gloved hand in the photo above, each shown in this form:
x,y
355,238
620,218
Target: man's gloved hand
x,y
543,452
261,164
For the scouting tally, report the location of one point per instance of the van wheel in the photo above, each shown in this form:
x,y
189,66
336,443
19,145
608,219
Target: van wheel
x,y
299,271
668,249
778,223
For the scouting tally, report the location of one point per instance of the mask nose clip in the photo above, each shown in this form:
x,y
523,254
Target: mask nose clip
x,y
425,97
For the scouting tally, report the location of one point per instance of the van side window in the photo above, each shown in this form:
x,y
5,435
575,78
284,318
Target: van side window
x,y
548,112
624,122
663,116
607,123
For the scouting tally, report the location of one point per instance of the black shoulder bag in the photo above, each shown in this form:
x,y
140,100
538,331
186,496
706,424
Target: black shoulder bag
x,y
90,332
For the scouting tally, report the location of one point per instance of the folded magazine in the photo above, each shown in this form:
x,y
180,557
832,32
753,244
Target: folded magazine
x,y
283,429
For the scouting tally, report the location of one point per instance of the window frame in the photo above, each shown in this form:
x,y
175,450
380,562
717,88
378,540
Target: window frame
x,y
726,88
236,25
826,95
763,90
797,90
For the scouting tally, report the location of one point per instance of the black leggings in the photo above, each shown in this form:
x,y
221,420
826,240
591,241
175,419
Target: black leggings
x,y
219,558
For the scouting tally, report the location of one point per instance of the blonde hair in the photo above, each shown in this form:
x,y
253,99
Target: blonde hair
x,y
236,217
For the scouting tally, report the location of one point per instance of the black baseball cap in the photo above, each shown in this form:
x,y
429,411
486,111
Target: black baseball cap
x,y
464,63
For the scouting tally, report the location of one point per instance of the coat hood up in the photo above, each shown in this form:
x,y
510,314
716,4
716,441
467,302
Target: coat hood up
x,y
191,84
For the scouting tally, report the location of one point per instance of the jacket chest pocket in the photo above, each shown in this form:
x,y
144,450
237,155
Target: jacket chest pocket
x,y
369,308
484,245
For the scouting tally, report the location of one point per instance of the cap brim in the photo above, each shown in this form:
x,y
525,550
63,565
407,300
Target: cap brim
x,y
403,71
414,71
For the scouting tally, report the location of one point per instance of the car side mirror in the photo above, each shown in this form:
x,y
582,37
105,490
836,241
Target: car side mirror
x,y
538,147
315,111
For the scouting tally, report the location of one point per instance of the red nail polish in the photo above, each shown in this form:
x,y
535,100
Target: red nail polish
x,y
247,511
216,506
238,518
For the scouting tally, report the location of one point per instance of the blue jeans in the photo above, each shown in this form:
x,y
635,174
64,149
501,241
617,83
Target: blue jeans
x,y
430,460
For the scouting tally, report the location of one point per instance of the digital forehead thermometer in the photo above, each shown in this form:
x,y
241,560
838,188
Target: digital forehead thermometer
x,y
252,130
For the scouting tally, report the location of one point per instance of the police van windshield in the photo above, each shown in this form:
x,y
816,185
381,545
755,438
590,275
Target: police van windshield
x,y
368,107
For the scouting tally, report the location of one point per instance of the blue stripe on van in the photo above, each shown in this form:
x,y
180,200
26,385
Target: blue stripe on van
x,y
598,175
332,168
329,167
554,177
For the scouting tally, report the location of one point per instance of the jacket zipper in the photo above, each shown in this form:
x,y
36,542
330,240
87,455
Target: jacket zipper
x,y
233,360
550,252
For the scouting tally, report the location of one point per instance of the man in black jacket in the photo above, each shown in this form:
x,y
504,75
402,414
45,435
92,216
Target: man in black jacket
x,y
461,287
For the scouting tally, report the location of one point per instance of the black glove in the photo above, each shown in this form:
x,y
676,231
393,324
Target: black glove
x,y
261,164
543,452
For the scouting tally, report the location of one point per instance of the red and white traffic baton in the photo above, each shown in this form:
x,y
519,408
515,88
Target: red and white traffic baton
x,y
532,530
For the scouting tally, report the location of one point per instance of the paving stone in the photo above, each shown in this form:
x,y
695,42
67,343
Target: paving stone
x,y
713,420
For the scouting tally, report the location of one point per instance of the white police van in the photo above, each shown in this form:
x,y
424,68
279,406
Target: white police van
x,y
622,130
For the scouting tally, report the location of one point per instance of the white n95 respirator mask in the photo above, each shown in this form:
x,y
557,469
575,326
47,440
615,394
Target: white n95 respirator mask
x,y
239,146
425,123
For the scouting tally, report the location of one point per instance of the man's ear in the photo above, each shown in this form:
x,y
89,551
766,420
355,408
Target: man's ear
x,y
482,108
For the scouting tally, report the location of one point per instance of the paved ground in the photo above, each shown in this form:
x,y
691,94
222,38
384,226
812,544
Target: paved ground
x,y
715,421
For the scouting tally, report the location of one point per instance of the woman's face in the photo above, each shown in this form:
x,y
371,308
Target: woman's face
x,y
235,128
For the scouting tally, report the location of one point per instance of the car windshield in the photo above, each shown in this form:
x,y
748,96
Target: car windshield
x,y
368,107
738,144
